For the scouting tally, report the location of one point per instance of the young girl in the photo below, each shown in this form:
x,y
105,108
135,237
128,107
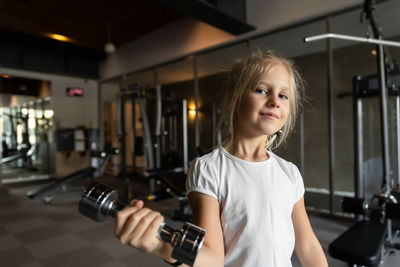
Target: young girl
x,y
249,200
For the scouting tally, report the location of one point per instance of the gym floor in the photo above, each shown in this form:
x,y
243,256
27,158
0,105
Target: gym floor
x,y
35,234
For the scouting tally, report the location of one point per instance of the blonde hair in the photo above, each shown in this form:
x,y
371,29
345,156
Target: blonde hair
x,y
245,76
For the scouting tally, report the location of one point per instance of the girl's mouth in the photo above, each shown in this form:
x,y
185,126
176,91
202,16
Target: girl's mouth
x,y
269,115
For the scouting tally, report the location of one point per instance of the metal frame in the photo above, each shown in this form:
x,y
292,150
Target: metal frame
x,y
196,103
331,119
398,138
358,139
158,132
350,38
185,136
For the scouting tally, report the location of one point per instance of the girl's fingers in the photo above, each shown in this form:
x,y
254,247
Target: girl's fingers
x,y
123,215
144,224
136,203
144,236
131,223
137,226
149,238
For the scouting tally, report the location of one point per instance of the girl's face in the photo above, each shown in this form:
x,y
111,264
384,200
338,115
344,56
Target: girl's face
x,y
264,110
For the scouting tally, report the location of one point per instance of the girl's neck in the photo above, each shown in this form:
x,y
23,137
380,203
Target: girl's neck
x,y
248,149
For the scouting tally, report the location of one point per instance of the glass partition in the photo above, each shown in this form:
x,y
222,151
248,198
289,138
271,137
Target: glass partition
x,y
212,68
109,120
144,78
177,81
349,59
289,43
219,61
134,126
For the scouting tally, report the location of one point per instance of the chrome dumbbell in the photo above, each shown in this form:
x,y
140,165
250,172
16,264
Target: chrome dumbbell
x,y
99,201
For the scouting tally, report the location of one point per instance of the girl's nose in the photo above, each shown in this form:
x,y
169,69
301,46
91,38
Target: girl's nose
x,y
273,101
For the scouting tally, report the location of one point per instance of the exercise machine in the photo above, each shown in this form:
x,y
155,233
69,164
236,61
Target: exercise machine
x,y
165,171
62,184
24,153
99,201
62,187
27,148
18,151
371,239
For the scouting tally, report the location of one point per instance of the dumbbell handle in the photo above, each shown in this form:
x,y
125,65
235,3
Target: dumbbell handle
x,y
114,208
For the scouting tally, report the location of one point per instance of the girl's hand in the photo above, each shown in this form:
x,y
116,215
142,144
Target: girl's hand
x,y
137,227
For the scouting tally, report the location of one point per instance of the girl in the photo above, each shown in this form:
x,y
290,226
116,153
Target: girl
x,y
248,199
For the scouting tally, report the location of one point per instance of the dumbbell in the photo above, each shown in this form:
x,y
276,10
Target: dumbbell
x,y
100,201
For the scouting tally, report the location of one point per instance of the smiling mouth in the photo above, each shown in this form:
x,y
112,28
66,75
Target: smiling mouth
x,y
269,115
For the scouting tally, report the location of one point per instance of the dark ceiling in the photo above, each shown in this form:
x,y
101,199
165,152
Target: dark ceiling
x,y
87,21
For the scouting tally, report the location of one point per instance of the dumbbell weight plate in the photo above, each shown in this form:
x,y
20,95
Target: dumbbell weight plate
x,y
97,201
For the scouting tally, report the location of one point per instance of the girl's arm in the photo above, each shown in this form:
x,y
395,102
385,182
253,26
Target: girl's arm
x,y
307,247
206,215
206,212
137,227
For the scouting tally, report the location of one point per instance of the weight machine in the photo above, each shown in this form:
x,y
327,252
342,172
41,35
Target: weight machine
x,y
62,187
167,171
17,151
370,240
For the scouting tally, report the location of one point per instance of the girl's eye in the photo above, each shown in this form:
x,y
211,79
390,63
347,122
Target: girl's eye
x,y
282,96
260,91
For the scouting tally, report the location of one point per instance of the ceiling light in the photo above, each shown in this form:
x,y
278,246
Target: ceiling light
x,y
109,48
59,37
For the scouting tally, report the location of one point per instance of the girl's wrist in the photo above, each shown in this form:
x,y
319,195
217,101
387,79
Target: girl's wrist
x,y
165,252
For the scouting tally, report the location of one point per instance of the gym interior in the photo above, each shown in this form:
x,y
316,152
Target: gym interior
x,y
120,96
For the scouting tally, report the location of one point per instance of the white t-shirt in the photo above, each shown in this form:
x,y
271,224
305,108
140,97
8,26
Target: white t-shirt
x,y
256,201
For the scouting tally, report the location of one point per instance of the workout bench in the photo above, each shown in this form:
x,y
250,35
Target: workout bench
x,y
361,244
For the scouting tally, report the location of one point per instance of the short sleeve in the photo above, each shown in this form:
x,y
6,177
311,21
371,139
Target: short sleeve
x,y
299,184
202,178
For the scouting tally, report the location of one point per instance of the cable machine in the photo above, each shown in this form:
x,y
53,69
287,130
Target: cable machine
x,y
370,240
157,171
